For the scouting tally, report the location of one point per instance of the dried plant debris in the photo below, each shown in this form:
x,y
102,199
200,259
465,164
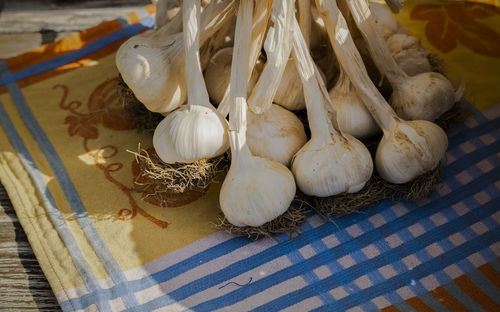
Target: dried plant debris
x,y
179,177
374,192
142,119
290,221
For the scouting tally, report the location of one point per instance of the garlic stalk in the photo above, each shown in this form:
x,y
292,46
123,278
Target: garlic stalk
x,y
278,47
162,16
152,63
424,96
352,115
256,190
331,162
194,131
408,148
262,12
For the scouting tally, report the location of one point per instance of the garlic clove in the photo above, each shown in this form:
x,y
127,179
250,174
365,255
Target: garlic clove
x,y
410,149
423,97
399,42
351,114
276,134
329,168
256,191
191,133
218,72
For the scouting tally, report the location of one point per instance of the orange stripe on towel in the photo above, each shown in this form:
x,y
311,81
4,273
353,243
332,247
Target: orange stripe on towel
x,y
448,300
471,289
490,273
418,304
67,44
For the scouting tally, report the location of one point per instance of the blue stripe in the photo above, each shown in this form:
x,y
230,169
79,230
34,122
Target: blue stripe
x,y
55,215
347,275
274,252
326,229
418,272
78,54
70,192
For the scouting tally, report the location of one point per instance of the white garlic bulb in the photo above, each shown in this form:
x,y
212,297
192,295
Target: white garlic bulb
x,y
410,149
194,131
218,73
352,115
256,190
276,134
424,96
331,162
407,149
143,63
411,57
190,133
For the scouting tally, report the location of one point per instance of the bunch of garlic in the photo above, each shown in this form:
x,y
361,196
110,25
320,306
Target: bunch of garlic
x,y
424,96
408,148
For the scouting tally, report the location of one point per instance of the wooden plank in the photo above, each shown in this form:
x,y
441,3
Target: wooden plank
x,y
64,20
23,284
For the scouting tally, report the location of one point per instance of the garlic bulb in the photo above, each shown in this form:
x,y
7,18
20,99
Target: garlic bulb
x,y
256,190
152,63
331,162
408,148
218,73
352,116
194,131
424,96
276,134
408,54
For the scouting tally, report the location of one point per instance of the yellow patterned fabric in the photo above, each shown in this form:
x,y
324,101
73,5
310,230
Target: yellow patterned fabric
x,y
105,242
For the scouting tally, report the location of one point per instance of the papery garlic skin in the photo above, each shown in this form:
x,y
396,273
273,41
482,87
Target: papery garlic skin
x,y
276,134
153,71
273,183
218,73
290,94
190,133
324,168
423,97
410,149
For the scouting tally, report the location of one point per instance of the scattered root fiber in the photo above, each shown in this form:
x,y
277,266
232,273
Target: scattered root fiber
x,y
457,114
160,177
374,192
142,119
290,221
437,64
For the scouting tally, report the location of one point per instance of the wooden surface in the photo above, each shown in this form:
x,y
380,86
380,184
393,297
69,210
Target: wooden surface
x,y
23,284
25,25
